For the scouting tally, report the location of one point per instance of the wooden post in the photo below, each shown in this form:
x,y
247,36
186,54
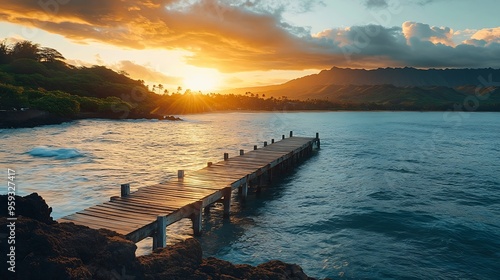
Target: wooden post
x,y
255,147
242,152
226,156
115,197
227,202
196,219
209,164
291,133
272,141
180,174
282,136
265,143
160,236
125,190
317,140
244,190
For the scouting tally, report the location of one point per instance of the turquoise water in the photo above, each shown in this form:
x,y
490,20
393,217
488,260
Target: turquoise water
x,y
390,195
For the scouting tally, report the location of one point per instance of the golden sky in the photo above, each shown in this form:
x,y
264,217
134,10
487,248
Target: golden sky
x,y
210,44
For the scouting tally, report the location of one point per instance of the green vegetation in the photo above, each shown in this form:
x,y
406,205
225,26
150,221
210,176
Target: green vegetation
x,y
37,77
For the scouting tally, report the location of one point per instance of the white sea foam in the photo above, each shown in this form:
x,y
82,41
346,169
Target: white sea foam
x,y
58,153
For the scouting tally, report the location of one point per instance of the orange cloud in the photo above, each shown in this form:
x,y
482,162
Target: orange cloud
x,y
489,35
241,35
145,73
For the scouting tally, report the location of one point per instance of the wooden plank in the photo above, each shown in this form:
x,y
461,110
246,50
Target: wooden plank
x,y
142,207
116,216
136,210
155,204
121,213
109,220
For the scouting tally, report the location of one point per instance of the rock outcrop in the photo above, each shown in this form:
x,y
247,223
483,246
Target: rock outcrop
x,y
45,249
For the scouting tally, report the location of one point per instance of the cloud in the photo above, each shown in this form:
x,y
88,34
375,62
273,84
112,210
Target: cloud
x,y
145,73
489,35
248,35
425,32
377,4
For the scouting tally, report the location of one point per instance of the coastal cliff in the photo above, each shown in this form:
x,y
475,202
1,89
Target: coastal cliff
x,y
45,249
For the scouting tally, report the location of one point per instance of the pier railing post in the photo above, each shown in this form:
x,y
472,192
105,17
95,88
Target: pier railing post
x,y
265,143
291,133
209,164
254,147
160,236
282,136
125,190
272,141
226,156
318,144
180,174
242,152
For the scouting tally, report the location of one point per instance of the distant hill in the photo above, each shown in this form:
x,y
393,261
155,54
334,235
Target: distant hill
x,y
379,85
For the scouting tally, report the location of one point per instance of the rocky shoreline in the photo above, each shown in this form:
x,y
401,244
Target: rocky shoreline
x,y
45,249
32,118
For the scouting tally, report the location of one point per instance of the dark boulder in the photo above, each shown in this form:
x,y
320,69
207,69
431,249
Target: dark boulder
x,y
68,251
32,206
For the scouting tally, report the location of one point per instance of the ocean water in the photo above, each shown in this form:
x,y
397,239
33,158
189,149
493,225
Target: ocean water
x,y
390,195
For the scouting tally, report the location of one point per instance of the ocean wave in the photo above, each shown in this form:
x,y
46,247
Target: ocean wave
x,y
58,153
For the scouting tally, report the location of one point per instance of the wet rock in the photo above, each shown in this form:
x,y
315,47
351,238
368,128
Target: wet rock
x,y
172,262
32,206
68,251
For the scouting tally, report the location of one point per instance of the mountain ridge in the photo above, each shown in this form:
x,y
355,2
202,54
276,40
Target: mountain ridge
x,y
315,85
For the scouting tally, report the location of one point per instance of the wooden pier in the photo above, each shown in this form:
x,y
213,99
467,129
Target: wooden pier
x,y
149,210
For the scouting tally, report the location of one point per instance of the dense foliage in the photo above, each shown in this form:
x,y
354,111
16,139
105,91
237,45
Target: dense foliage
x,y
37,77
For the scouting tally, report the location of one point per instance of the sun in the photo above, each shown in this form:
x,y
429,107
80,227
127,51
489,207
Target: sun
x,y
204,80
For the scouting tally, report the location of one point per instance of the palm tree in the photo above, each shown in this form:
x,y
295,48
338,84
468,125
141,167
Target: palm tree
x,y
26,49
160,88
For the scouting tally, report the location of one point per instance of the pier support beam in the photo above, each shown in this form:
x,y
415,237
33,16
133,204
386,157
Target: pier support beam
x,y
227,202
244,190
196,219
160,236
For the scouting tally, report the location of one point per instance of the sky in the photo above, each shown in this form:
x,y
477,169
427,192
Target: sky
x,y
206,45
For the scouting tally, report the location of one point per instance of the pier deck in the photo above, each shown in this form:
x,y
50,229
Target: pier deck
x,y
149,210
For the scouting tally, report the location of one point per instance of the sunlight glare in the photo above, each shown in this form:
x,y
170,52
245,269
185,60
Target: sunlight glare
x,y
203,80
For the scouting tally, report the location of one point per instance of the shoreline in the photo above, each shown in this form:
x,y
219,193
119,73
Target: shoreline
x,y
34,118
